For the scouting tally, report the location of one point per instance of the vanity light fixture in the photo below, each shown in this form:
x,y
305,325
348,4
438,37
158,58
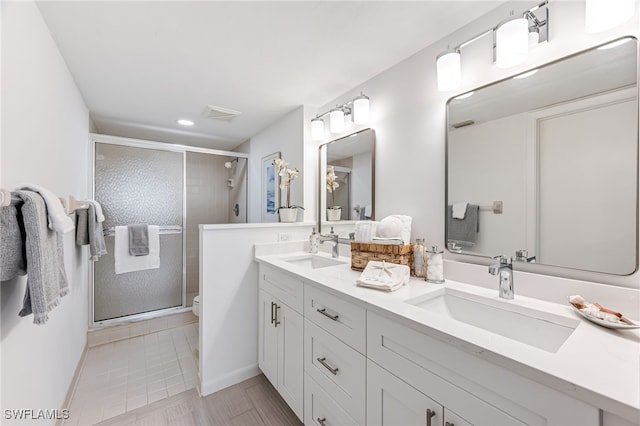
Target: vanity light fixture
x,y
357,109
336,120
361,109
185,122
317,129
603,15
449,72
512,40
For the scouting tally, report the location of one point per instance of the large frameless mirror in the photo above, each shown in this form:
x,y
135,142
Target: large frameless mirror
x,y
347,178
544,166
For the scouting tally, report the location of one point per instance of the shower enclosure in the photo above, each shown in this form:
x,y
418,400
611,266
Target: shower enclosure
x,y
173,186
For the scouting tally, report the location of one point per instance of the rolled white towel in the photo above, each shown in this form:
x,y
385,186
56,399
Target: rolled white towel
x,y
389,227
406,227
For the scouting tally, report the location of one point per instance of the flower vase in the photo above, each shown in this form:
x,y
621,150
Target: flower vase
x,y
334,214
288,215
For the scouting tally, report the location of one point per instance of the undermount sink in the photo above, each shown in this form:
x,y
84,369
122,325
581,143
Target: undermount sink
x,y
314,261
533,327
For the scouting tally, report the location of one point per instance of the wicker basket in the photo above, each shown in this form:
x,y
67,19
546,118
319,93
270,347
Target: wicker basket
x,y
362,253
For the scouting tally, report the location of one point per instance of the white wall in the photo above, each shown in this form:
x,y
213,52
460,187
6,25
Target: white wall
x,y
45,127
229,299
287,137
408,115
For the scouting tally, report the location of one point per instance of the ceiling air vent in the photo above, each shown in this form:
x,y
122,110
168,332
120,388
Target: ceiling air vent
x,y
218,113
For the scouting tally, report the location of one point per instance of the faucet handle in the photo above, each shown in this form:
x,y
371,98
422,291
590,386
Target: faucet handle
x,y
504,260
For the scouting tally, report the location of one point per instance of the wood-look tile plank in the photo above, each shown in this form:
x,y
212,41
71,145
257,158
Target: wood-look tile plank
x,y
270,405
248,418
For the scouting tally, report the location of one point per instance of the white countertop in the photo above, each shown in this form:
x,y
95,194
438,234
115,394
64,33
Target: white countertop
x,y
596,365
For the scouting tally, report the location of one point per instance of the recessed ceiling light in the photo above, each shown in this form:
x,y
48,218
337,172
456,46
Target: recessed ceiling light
x,y
184,122
525,75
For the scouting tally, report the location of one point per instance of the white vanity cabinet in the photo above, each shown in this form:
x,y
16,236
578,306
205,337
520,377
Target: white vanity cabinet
x,y
471,390
335,367
280,335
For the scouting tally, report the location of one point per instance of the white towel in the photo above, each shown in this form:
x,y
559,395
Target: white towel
x,y
398,226
367,211
98,207
388,241
384,276
459,210
57,217
127,263
365,231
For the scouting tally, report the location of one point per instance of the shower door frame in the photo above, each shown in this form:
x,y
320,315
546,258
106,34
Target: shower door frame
x,y
95,138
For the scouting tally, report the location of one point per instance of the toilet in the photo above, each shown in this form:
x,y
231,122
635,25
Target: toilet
x,y
196,306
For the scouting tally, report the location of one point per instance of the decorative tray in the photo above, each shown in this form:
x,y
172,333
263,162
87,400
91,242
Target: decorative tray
x,y
623,323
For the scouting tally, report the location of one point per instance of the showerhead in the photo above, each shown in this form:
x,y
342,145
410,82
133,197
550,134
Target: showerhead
x,y
228,164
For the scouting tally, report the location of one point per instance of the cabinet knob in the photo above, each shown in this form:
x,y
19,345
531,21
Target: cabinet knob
x,y
430,414
322,421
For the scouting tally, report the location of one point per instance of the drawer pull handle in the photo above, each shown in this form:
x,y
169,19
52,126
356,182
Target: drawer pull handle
x,y
323,311
322,421
322,361
276,316
448,424
429,415
272,313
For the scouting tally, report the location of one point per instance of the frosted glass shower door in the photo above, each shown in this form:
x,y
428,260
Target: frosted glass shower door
x,y
139,185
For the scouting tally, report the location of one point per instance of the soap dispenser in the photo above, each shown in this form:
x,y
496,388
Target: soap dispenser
x,y
313,241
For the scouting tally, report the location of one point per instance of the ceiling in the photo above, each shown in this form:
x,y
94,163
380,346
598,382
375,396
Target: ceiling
x,y
141,65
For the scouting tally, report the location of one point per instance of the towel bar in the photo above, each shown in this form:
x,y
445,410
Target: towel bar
x,y
173,229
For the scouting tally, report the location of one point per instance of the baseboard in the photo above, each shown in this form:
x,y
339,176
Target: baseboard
x,y
229,379
74,383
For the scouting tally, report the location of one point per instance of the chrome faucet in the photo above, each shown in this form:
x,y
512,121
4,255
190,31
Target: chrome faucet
x,y
331,237
504,269
523,256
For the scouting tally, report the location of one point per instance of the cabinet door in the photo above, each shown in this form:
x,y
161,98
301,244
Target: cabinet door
x,y
390,401
290,357
267,338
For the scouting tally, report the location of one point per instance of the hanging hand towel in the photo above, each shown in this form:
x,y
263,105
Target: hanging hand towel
x,y
12,261
459,210
124,262
98,209
89,231
46,277
58,219
138,240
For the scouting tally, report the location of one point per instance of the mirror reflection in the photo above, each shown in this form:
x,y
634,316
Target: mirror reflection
x,y
347,178
543,166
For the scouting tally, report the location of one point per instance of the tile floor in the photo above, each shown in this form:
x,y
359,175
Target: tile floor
x,y
121,376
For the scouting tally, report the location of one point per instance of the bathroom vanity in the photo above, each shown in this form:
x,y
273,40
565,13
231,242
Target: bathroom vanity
x,y
450,354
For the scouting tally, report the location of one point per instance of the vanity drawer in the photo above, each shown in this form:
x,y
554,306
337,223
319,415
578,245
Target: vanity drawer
x,y
320,409
286,288
343,319
337,368
466,384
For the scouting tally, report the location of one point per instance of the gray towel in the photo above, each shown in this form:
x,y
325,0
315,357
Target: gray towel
x,y
46,278
138,240
463,231
89,231
12,257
